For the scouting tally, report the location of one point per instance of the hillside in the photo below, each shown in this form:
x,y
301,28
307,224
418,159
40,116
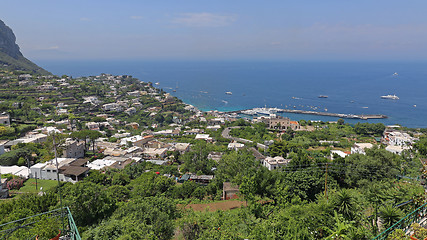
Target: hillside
x,y
10,55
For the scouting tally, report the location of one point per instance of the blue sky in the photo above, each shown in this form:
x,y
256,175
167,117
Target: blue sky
x,y
220,29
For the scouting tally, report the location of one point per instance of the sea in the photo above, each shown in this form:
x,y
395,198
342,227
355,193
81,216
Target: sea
x,y
350,87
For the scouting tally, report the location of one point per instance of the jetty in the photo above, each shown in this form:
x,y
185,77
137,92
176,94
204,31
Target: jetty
x,y
255,111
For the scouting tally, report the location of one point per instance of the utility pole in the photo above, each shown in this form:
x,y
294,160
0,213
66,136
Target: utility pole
x,y
59,183
326,182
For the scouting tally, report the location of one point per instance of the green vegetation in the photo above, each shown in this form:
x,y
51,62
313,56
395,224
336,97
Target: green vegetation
x,y
21,64
45,185
312,196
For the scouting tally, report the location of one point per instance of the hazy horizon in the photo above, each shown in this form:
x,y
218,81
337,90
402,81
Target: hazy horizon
x,y
221,30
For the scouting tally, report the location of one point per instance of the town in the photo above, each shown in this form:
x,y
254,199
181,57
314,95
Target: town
x,y
127,140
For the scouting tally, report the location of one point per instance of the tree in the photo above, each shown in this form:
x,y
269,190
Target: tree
x,y
141,218
389,215
247,188
345,203
150,184
86,135
88,202
421,146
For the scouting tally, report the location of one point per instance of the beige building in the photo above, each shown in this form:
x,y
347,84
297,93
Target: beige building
x,y
281,123
4,119
73,149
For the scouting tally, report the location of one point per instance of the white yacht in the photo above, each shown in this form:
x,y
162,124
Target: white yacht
x,y
393,97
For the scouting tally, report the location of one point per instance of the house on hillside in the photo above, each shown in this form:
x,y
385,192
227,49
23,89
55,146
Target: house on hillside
x,y
275,163
73,149
360,147
280,123
69,170
182,147
396,149
5,118
205,137
235,146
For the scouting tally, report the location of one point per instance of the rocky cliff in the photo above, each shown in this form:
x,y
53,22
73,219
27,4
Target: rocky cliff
x,y
10,56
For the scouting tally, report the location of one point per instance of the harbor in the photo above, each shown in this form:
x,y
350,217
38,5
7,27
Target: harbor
x,y
268,111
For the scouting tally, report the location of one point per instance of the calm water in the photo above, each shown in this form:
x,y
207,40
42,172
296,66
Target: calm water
x,y
352,87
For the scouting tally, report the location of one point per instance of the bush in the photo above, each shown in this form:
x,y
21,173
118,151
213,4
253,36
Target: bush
x,y
15,184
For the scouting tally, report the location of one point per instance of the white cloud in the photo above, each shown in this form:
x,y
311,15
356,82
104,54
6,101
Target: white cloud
x,y
136,17
203,20
53,47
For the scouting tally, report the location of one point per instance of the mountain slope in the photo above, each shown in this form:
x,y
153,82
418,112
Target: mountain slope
x,y
10,56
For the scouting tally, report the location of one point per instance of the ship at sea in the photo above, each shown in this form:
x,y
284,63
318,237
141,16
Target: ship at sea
x,y
322,96
393,97
228,93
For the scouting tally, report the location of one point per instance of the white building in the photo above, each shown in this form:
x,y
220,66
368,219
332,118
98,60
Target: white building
x,y
130,111
396,149
182,147
396,138
205,137
106,162
235,145
155,152
33,138
112,107
339,153
66,171
100,164
213,128
275,163
15,170
360,147
136,140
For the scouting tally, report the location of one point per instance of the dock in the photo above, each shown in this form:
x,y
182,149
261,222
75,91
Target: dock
x,y
339,115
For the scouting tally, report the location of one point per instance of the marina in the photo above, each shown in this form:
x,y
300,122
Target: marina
x,y
268,111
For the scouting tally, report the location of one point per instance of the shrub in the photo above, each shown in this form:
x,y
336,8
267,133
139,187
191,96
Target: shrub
x,y
15,184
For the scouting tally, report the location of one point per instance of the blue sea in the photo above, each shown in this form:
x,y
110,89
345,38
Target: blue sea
x,y
351,87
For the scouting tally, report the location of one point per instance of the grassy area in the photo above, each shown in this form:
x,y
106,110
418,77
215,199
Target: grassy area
x,y
30,185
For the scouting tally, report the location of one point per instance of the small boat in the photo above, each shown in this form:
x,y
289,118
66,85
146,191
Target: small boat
x,y
157,83
395,74
174,90
393,97
322,96
415,105
229,93
365,107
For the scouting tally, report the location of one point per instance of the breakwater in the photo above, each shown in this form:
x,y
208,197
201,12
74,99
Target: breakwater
x,y
267,111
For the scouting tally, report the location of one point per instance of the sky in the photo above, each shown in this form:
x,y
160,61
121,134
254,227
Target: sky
x,y
219,29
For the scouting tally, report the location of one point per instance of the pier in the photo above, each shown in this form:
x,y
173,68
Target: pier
x,y
339,115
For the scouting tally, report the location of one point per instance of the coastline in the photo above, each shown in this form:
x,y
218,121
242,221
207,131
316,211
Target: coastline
x,y
353,88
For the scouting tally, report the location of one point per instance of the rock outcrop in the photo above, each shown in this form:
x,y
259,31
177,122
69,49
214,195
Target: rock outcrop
x,y
10,56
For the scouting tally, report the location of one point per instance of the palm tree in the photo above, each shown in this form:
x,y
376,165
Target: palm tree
x,y
389,215
345,203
